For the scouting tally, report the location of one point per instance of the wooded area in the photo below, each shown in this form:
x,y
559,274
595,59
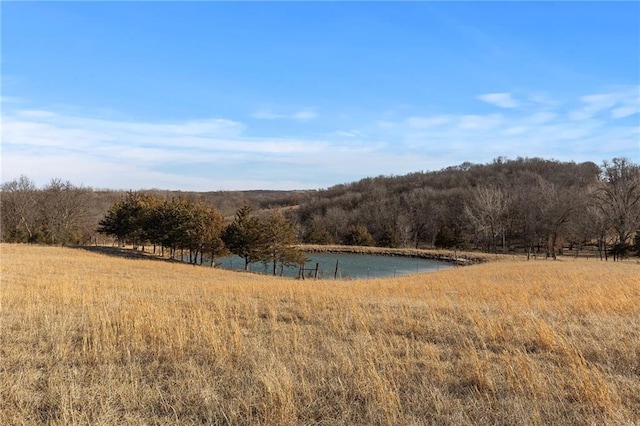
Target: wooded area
x,y
524,205
527,205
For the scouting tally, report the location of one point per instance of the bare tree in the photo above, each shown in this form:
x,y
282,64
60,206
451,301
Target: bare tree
x,y
337,221
487,211
618,197
19,210
63,208
557,205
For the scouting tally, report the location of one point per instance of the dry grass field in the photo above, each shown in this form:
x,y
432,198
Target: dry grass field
x,y
93,339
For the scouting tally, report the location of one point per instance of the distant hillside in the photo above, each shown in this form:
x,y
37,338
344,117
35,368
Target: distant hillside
x,y
523,204
527,204
228,202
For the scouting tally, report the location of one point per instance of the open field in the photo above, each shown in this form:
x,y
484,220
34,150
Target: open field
x,y
94,339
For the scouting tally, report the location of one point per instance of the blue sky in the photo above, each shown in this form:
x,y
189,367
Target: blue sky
x,y
304,95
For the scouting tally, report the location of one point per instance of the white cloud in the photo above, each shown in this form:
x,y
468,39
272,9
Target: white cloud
x,y
194,154
542,117
267,115
625,111
542,99
427,122
218,153
36,114
502,100
82,169
386,124
620,103
212,127
125,138
579,115
350,134
515,130
601,101
302,115
480,122
11,100
540,130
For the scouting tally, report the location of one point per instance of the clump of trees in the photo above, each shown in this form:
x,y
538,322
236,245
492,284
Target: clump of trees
x,y
271,239
195,229
617,203
59,213
179,224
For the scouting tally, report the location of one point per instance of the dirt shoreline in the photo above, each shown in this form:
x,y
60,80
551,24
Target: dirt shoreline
x,y
459,258
450,256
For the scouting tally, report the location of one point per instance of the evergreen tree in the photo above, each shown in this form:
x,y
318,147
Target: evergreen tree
x,y
358,235
389,237
126,220
212,226
279,240
446,238
204,228
243,237
317,234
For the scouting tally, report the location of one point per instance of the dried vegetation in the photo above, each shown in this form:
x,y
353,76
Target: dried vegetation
x,y
92,339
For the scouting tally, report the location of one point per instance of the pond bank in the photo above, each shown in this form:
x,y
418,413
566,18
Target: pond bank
x,y
450,256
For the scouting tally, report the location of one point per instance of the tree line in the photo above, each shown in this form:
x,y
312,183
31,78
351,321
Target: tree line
x,y
59,213
195,229
529,205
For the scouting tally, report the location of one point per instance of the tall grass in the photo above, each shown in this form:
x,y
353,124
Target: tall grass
x,y
91,339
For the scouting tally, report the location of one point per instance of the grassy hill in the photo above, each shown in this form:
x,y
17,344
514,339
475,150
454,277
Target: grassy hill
x,y
93,339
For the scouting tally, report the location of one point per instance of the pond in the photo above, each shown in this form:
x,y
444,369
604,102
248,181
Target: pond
x,y
349,266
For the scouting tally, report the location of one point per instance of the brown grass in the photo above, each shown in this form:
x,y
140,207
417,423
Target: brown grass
x,y
92,339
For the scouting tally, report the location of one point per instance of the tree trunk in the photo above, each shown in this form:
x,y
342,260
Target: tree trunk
x,y
554,239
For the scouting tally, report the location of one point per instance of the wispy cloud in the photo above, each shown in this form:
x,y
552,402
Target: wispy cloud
x,y
480,122
502,100
219,153
267,115
202,154
625,111
427,122
542,117
543,129
350,134
619,103
10,100
302,115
